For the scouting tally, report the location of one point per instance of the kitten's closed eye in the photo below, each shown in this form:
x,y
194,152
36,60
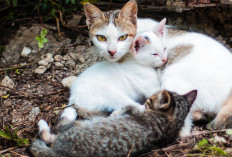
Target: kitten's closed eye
x,y
101,38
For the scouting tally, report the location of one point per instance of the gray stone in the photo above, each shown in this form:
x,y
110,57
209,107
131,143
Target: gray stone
x,y
40,70
33,113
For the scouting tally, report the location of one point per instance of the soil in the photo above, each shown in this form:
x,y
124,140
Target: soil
x,y
34,93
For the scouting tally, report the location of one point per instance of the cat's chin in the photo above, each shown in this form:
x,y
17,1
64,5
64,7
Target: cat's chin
x,y
112,58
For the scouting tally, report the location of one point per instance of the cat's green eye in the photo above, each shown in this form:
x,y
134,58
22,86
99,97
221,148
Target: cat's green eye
x,y
123,37
101,38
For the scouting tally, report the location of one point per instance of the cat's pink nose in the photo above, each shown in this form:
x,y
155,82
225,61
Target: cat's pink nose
x,y
164,60
111,52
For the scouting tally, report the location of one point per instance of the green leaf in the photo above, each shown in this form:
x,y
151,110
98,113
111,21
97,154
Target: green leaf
x,y
17,71
37,38
229,132
5,135
203,142
53,11
41,45
43,33
44,40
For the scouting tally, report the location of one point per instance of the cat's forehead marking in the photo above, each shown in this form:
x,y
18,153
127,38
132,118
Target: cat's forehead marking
x,y
113,18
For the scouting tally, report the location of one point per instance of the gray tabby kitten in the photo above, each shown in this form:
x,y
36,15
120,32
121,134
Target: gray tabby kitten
x,y
132,130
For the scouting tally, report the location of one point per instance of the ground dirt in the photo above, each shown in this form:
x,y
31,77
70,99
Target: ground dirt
x,y
35,90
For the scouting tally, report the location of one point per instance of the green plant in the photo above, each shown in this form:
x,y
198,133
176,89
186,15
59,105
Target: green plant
x,y
11,135
207,149
41,39
229,132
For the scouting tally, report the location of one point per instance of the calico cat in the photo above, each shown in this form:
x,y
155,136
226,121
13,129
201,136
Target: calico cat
x,y
133,130
112,85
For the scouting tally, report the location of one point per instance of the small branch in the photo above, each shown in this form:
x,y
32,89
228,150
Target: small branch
x,y
4,9
109,4
8,149
58,26
207,132
17,67
129,154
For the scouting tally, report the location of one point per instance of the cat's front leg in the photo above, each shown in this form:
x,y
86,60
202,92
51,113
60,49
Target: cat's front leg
x,y
186,129
68,116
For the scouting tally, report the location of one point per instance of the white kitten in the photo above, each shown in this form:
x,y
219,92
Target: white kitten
x,y
204,64
113,85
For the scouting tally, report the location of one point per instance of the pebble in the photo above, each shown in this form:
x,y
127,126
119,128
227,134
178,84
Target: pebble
x,y
7,82
58,58
25,52
67,82
33,113
218,139
40,70
59,65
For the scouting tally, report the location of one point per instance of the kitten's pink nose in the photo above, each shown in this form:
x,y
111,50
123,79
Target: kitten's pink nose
x,y
164,60
111,52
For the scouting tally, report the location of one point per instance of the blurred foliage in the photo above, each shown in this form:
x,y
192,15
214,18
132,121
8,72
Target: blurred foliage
x,y
12,9
8,134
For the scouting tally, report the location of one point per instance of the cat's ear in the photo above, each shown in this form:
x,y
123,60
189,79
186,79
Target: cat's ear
x,y
129,11
165,100
190,96
92,13
159,28
138,43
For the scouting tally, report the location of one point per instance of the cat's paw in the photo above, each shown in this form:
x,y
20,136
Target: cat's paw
x,y
117,112
67,82
220,122
69,113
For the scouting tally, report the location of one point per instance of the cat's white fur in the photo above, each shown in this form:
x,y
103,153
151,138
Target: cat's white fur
x,y
208,68
112,85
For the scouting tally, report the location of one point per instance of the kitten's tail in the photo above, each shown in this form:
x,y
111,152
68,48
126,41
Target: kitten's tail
x,y
40,149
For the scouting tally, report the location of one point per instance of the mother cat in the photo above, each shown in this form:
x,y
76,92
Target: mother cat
x,y
195,60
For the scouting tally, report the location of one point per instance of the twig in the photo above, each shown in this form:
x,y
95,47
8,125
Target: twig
x,y
58,26
109,4
4,9
41,20
207,132
15,90
17,67
129,154
8,149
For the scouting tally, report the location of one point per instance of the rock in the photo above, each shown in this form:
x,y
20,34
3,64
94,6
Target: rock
x,y
80,48
47,58
7,82
80,58
229,151
40,70
218,139
59,65
33,113
58,58
70,63
25,52
67,82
